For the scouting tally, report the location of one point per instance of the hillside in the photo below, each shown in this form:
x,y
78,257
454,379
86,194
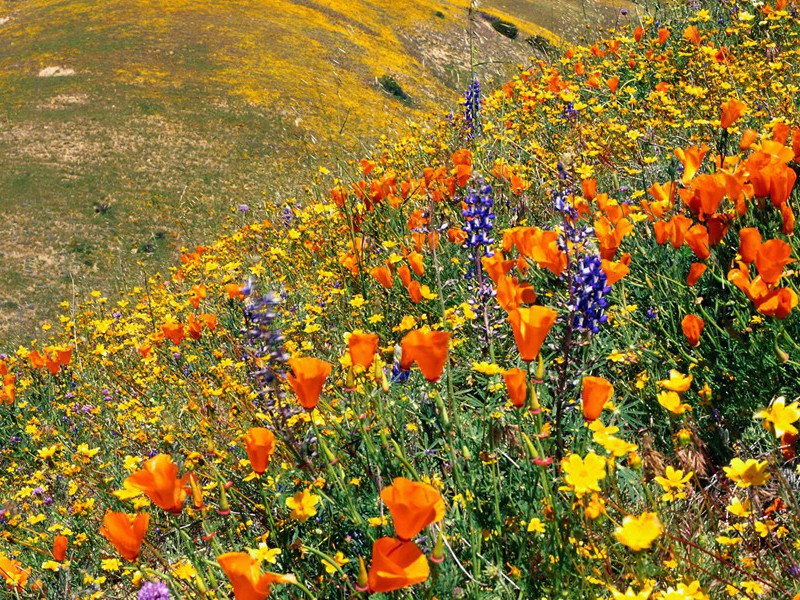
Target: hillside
x,y
131,129
544,347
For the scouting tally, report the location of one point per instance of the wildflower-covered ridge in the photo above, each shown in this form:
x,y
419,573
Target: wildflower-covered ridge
x,y
547,348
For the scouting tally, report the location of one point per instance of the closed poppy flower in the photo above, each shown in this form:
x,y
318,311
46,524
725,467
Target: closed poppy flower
x,y
59,548
695,272
415,291
517,386
663,35
383,275
307,378
531,326
194,327
362,348
428,349
771,258
731,111
125,532
638,33
414,505
37,360
160,482
595,392
589,186
697,240
404,273
395,565
416,262
248,581
260,445
749,243
692,326
613,84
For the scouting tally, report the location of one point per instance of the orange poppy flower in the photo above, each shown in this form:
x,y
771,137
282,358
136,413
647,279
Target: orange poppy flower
x,y
596,391
692,326
395,565
638,33
414,505
692,35
697,239
695,272
173,332
209,320
383,275
771,257
496,266
244,573
517,386
511,294
589,186
456,235
749,243
613,84
426,348
538,245
194,327
160,482
125,532
13,574
307,378
404,273
260,444
731,111
60,548
691,158
748,137
417,265
37,360
663,35
362,348
530,326
616,270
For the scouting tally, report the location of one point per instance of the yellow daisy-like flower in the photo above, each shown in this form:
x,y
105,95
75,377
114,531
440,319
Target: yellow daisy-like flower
x,y
303,505
779,417
673,483
638,533
677,382
582,475
746,474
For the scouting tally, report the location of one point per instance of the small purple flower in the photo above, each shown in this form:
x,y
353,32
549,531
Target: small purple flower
x,y
154,591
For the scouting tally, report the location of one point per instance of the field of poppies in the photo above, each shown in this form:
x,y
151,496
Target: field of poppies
x,y
546,348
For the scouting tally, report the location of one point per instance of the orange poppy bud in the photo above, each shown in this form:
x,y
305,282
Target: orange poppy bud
x,y
426,348
748,137
125,532
260,444
531,326
248,581
307,378
414,505
692,326
173,332
771,257
695,272
383,275
749,243
160,482
596,391
517,386
788,219
731,111
59,548
395,565
362,348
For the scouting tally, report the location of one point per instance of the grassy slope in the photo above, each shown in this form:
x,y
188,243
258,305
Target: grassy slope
x,y
180,110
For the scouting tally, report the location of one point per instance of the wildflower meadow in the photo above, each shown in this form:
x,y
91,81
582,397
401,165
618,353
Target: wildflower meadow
x,y
546,346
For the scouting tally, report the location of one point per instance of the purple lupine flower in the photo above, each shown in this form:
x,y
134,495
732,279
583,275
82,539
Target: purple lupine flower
x,y
590,289
472,109
479,216
154,591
